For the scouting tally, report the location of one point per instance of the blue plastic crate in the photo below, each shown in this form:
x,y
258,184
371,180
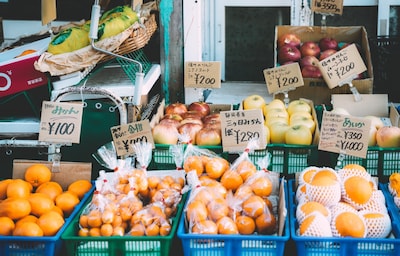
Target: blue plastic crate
x,y
233,245
39,246
339,245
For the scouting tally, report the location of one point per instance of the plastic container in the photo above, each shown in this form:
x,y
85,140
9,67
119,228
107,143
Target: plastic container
x,y
339,245
40,246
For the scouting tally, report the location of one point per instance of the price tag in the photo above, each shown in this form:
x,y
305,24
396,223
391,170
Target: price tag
x,y
49,11
60,122
327,6
239,127
203,74
124,136
342,66
283,78
344,134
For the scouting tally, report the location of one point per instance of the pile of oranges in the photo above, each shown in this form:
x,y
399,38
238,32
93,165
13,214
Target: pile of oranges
x,y
342,203
229,198
394,187
36,205
132,202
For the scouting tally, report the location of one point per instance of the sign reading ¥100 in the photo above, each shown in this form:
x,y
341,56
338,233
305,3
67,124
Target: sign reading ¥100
x,y
60,122
126,135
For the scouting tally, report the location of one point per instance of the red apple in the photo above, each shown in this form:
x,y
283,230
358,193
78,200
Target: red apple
x,y
201,107
311,72
192,114
388,137
308,61
173,116
191,120
289,39
211,118
310,48
175,108
164,133
170,121
190,129
213,124
372,136
288,53
208,137
328,43
325,54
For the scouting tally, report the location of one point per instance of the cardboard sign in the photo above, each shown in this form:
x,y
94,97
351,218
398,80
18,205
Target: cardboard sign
x,y
203,74
283,78
124,136
363,107
343,66
344,134
327,6
239,127
49,11
61,122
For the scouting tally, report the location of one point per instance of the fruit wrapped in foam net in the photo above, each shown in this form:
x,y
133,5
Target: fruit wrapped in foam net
x,y
349,223
306,208
324,187
378,224
357,191
315,225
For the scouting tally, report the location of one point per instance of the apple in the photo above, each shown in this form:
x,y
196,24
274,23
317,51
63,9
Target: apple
x,y
298,135
375,121
253,102
208,137
170,121
300,114
277,112
298,105
191,120
192,114
267,134
275,119
176,108
277,132
200,106
289,39
311,71
388,137
164,133
288,53
372,136
325,54
173,116
327,43
308,60
215,117
310,48
275,103
213,124
190,129
304,121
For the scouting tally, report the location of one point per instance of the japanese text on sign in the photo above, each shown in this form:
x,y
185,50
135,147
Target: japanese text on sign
x,y
241,126
60,122
124,136
342,66
327,6
344,134
203,74
283,78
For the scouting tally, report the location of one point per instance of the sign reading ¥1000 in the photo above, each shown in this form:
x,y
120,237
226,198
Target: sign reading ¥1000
x,y
60,122
238,127
126,135
344,134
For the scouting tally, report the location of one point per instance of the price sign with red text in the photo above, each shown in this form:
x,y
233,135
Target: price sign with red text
x,y
283,78
239,127
124,136
327,6
203,74
342,66
60,122
344,134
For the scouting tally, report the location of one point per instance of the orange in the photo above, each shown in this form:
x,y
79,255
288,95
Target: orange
x,y
40,203
243,192
118,231
306,223
67,202
253,206
262,186
94,219
354,166
196,211
137,229
83,221
57,210
325,174
7,226
246,169
266,223
18,188
28,229
226,226
231,180
245,225
194,163
94,231
3,188
308,173
80,187
152,230
358,189
204,194
205,227
37,174
216,166
153,181
27,218
107,216
50,222
50,188
106,229
15,208
350,224
83,232
311,206
165,229
217,209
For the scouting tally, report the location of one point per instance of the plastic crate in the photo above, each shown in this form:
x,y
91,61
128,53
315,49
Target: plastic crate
x,y
119,245
40,246
342,245
231,245
390,201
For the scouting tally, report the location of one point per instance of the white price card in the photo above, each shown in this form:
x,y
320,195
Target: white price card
x,y
124,136
342,66
203,74
61,122
344,134
283,78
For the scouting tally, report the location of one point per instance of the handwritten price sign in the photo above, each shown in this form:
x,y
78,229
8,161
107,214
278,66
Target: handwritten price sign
x,y
60,122
124,136
203,74
342,66
283,78
239,127
327,6
344,134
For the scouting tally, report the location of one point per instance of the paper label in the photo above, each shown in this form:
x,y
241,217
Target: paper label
x,y
203,74
283,78
327,6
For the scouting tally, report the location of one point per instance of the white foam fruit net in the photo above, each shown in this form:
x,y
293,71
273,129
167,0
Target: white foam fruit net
x,y
336,232
326,195
319,227
301,215
378,226
346,197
